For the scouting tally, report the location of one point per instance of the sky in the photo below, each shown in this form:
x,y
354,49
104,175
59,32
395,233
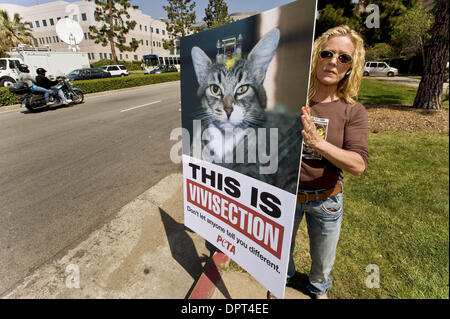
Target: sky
x,y
154,8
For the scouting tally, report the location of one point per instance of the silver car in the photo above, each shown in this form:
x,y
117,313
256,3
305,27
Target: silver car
x,y
379,69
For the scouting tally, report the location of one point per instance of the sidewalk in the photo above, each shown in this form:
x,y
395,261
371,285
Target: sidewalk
x,y
145,252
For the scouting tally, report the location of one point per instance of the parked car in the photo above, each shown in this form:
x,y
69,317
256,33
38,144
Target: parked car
x,y
87,74
379,69
115,70
163,69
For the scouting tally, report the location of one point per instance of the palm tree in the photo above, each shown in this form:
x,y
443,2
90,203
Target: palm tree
x,y
13,32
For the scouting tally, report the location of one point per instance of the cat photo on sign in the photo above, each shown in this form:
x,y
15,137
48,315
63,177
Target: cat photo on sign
x,y
242,85
232,93
236,130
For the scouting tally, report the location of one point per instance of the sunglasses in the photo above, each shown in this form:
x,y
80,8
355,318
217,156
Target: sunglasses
x,y
342,58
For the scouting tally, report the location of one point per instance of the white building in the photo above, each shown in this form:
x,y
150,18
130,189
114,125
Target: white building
x,y
148,32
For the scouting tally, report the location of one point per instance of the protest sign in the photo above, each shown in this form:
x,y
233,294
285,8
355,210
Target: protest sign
x,y
242,86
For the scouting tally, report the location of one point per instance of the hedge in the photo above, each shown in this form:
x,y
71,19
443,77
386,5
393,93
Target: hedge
x,y
130,65
7,98
101,85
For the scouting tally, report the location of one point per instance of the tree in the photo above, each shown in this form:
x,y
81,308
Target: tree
x,y
216,14
111,13
180,21
391,13
13,32
410,33
332,16
380,52
429,93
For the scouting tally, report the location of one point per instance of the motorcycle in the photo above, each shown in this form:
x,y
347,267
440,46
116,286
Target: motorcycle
x,y
35,101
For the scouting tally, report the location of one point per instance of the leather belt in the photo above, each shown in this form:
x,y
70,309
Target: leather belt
x,y
304,197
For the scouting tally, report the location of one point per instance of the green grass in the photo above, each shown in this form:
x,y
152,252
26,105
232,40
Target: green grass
x,y
377,92
396,215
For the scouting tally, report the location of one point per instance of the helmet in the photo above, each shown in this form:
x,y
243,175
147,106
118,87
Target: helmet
x,y
23,68
40,71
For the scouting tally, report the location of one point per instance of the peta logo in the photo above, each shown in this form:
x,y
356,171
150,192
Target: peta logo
x,y
226,244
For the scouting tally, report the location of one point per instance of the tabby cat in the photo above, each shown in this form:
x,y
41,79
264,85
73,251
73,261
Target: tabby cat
x,y
233,117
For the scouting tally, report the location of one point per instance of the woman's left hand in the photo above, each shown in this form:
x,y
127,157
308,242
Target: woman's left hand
x,y
309,132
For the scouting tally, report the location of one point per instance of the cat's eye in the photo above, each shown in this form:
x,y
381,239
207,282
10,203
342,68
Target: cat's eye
x,y
242,89
215,90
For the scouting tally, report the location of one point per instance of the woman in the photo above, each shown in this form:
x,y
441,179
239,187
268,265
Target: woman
x,y
334,133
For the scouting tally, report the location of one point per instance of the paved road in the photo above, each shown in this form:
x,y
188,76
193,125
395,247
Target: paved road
x,y
66,172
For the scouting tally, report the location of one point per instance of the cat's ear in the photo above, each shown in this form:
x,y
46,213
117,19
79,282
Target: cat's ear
x,y
263,52
201,62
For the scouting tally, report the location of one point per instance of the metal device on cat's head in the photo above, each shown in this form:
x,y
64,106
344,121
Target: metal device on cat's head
x,y
229,51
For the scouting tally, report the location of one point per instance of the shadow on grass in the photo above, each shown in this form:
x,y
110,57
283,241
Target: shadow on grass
x,y
399,107
381,99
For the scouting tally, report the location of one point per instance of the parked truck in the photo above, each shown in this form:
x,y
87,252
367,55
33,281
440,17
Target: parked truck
x,y
56,63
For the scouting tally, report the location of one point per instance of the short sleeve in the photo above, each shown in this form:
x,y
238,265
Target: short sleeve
x,y
356,131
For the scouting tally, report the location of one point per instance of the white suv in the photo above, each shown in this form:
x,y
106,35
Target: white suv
x,y
379,69
115,70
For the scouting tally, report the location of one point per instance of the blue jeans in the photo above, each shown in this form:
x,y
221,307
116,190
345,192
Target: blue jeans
x,y
323,219
46,92
60,93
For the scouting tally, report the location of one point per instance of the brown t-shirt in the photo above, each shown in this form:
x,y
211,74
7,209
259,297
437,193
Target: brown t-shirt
x,y
343,125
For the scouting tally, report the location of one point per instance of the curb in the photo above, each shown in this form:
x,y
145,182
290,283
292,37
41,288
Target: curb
x,y
206,284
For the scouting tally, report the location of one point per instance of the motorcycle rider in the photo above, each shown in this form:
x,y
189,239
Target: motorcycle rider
x,y
24,76
46,83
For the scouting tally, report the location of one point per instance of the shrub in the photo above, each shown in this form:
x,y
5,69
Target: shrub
x,y
130,65
7,98
108,84
100,85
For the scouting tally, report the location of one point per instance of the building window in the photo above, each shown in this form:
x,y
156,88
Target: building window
x,y
163,32
83,17
145,28
110,56
142,42
151,29
157,31
36,42
153,43
146,42
75,18
135,57
58,18
101,55
89,56
31,25
52,22
140,27
126,56
44,23
37,24
120,56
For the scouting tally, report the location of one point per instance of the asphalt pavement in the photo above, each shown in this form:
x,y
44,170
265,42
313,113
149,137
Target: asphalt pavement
x,y
66,172
92,205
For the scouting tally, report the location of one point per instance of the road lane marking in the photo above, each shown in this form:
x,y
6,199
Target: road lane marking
x,y
136,107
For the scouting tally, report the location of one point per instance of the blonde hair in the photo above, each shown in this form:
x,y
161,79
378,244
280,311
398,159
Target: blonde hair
x,y
348,87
